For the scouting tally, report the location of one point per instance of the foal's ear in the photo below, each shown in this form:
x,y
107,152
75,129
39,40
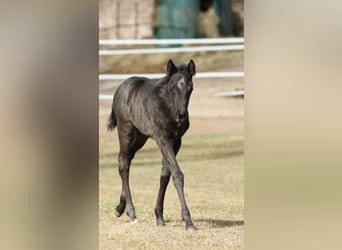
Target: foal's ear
x,y
192,67
170,68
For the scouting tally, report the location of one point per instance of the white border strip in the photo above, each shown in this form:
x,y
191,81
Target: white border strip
x,y
156,76
170,50
172,41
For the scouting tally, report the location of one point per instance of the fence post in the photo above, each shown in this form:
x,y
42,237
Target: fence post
x,y
224,12
178,19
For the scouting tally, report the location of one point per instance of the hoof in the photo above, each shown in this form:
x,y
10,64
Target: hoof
x,y
132,218
117,213
134,221
160,223
191,228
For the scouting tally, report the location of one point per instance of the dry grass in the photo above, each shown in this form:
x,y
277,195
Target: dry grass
x,y
213,169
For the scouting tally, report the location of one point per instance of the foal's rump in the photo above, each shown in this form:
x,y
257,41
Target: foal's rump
x,y
132,92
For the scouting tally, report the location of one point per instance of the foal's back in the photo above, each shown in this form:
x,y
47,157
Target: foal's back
x,y
132,102
134,89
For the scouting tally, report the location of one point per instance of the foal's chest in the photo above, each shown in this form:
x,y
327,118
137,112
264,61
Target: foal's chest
x,y
181,127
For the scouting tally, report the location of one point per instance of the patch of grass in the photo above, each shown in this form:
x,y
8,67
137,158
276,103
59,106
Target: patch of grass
x,y
213,170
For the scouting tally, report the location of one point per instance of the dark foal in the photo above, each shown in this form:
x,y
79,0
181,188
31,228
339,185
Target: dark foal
x,y
144,108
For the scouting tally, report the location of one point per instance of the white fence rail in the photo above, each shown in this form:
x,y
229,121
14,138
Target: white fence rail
x,y
170,50
234,44
233,93
156,76
106,97
173,41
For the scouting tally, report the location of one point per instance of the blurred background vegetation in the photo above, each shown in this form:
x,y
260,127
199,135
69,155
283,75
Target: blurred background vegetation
x,y
144,19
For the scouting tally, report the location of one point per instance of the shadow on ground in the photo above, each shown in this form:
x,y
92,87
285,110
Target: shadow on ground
x,y
221,223
211,223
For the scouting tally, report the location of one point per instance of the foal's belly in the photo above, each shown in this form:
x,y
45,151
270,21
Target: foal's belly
x,y
142,123
145,130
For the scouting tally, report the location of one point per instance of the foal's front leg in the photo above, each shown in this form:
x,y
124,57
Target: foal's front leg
x,y
164,181
167,150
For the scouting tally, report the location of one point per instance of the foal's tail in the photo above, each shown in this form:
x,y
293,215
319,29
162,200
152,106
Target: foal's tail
x,y
111,121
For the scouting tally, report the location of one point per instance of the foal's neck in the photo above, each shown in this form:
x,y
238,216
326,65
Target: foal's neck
x,y
166,96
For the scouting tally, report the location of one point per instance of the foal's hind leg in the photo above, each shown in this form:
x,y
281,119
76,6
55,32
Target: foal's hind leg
x,y
131,140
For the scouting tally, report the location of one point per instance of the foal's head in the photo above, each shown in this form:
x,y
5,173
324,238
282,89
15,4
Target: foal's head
x,y
180,84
